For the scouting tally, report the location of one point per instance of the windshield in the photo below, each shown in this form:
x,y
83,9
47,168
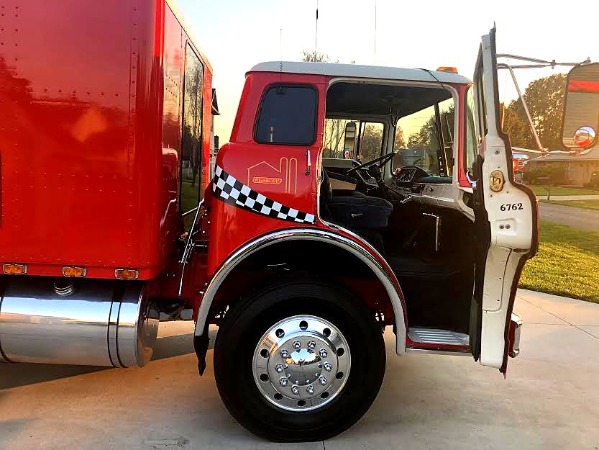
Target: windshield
x,y
425,139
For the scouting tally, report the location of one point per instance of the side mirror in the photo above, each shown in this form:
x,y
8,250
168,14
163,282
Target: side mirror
x,y
349,142
581,111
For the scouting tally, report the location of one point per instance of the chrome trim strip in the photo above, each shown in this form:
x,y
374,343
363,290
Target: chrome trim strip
x,y
421,335
312,235
189,245
440,352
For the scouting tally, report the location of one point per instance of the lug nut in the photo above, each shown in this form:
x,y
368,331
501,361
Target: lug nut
x,y
310,389
328,367
297,344
322,353
311,344
284,353
283,381
295,390
279,368
323,380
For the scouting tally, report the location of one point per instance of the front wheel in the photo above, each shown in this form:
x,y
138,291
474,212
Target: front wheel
x,y
299,361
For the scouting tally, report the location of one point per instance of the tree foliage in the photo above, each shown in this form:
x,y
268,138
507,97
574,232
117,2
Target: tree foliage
x,y
428,137
400,140
314,56
545,100
371,142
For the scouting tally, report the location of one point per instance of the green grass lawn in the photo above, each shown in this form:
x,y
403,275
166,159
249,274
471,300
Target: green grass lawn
x,y
189,196
558,190
567,263
189,200
586,204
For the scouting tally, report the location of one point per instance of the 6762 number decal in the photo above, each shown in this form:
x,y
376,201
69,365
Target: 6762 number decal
x,y
511,206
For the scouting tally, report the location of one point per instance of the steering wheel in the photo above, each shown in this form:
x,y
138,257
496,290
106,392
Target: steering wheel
x,y
379,161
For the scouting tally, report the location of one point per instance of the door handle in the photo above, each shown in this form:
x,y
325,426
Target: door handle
x,y
308,162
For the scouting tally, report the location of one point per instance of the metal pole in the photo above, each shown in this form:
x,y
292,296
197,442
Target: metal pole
x,y
316,33
374,57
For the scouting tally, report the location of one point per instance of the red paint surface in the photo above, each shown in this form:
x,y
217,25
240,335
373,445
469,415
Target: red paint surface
x,y
583,86
232,227
90,117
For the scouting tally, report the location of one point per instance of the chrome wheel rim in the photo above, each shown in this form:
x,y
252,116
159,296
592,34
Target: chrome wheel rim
x,y
301,363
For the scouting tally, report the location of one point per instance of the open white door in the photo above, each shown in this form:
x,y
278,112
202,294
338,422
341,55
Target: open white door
x,y
506,223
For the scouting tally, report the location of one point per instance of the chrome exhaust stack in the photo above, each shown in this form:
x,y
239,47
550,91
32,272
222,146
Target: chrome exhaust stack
x,y
90,322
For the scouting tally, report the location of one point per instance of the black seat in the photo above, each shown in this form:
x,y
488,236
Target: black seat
x,y
356,211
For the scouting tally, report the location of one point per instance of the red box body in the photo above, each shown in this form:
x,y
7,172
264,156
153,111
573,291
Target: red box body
x,y
91,98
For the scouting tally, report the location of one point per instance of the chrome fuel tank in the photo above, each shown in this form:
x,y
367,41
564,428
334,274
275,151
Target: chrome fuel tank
x,y
88,322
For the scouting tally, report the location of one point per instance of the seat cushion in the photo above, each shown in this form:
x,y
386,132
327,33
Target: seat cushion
x,y
360,211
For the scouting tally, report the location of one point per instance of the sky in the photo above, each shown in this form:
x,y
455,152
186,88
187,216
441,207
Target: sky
x,y
236,34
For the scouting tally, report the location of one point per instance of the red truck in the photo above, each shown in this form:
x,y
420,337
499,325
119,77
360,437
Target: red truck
x,y
111,217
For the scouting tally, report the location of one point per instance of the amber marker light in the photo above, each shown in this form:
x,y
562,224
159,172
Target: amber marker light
x,y
447,69
126,274
70,271
14,269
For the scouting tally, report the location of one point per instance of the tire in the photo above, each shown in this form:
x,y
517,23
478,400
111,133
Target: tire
x,y
248,365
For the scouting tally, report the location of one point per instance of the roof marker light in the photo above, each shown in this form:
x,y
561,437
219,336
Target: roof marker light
x,y
447,69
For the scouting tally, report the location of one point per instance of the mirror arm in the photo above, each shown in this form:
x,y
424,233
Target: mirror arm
x,y
530,123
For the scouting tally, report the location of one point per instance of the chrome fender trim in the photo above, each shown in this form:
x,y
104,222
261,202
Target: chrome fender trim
x,y
359,250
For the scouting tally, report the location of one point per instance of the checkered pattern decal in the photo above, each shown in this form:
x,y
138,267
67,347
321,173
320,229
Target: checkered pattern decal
x,y
230,190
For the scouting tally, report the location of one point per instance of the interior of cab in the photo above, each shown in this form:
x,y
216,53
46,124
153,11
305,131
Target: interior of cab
x,y
387,150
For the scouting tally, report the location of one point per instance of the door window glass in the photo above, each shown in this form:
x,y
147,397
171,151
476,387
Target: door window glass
x,y
287,116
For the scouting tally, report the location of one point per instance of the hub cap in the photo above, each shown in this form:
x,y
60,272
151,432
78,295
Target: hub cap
x,y
301,363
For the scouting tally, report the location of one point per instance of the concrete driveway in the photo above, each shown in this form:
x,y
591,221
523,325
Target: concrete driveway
x,y
550,399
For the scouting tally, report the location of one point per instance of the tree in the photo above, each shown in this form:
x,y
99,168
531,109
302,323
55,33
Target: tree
x,y
315,56
516,125
545,100
400,140
334,137
370,142
428,137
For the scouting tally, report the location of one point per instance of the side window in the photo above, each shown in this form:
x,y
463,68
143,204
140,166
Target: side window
x,y
287,115
371,141
369,134
471,137
191,142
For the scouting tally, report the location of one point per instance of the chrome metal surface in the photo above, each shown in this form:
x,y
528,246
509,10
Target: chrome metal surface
x,y
438,336
437,220
361,249
191,211
301,385
457,352
308,162
189,244
585,136
64,289
100,324
515,328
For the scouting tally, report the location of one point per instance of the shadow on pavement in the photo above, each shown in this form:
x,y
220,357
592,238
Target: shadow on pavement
x,y
23,374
